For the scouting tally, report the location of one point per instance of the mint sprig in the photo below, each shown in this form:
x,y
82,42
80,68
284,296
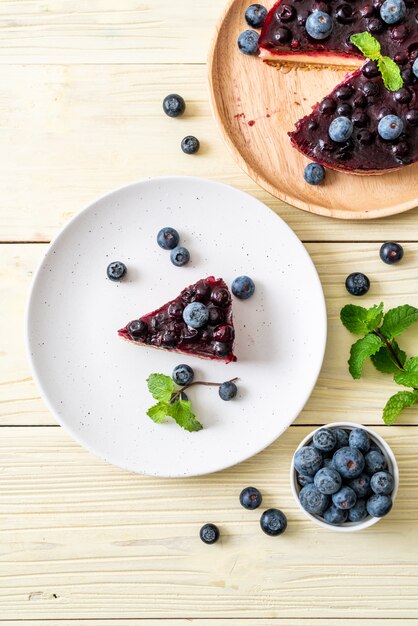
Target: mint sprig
x,y
370,47
379,344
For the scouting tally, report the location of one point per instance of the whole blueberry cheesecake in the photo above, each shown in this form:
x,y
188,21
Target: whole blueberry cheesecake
x,y
198,322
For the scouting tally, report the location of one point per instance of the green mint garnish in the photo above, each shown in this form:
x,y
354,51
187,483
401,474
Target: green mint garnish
x,y
370,47
379,344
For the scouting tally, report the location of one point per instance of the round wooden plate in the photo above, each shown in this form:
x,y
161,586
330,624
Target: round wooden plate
x,y
256,105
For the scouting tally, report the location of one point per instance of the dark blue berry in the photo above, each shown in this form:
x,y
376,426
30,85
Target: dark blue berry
x,y
359,439
390,127
313,500
342,438
358,512
116,270
328,462
228,391
335,516
183,375
348,462
273,522
361,485
379,505
250,498
327,480
308,460
190,145
248,42
375,462
168,238
305,479
324,440
345,498
209,533
357,284
340,129
319,25
196,315
391,252
174,105
180,256
382,483
243,287
255,15
314,174
138,329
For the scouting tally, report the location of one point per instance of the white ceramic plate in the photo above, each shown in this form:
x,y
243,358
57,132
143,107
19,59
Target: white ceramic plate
x,y
94,382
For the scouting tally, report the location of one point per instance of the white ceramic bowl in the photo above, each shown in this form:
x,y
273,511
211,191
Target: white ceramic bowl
x,y
347,527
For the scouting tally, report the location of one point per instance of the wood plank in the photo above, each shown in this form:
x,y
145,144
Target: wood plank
x,y
72,133
81,538
272,621
336,396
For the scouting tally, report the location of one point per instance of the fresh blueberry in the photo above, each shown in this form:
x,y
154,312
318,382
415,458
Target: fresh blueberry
x,y
357,284
335,516
358,512
361,485
382,483
248,42
168,238
243,287
342,438
324,440
359,439
390,127
345,498
304,479
183,375
319,25
228,391
328,462
138,329
174,105
308,460
391,252
379,505
180,256
255,15
327,480
348,462
116,270
196,315
313,500
415,67
250,498
190,145
273,522
340,129
393,11
375,462
209,533
314,174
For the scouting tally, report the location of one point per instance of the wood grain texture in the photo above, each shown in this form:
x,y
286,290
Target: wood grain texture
x,y
336,396
216,622
71,133
82,538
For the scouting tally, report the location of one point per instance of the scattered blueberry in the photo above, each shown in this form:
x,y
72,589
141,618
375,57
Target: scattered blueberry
x,y
180,256
348,462
415,67
359,439
393,11
345,498
190,145
361,485
174,105
319,25
273,522
357,284
382,483
324,439
228,391
358,512
250,498
116,270
196,315
314,174
375,462
243,287
168,238
308,460
379,505
312,500
138,329
305,479
335,516
209,533
183,375
255,15
248,42
327,480
342,438
390,127
340,129
391,252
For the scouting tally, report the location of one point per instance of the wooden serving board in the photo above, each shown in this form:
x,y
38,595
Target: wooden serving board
x,y
256,105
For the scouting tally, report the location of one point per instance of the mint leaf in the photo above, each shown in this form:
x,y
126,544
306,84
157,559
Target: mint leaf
x,y
181,412
367,44
391,73
159,412
360,351
161,387
397,320
397,403
408,377
384,362
361,321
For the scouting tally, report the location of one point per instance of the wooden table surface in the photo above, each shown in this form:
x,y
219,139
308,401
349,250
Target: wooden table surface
x,y
81,542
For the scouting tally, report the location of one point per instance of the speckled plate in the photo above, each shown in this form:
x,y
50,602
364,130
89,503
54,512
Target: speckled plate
x,y
94,382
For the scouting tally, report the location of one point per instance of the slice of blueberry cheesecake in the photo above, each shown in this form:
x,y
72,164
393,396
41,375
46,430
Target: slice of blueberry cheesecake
x,y
198,322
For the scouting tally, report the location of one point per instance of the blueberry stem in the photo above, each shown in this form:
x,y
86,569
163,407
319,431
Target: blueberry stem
x,y
390,348
199,382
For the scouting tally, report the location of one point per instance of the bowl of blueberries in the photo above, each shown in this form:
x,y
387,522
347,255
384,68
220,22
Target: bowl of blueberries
x,y
344,477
